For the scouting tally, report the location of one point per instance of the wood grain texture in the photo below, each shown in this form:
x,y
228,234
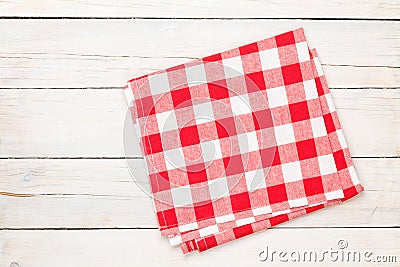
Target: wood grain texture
x,y
147,248
102,194
90,123
106,53
382,9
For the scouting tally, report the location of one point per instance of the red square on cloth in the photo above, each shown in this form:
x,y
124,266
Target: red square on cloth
x,y
292,74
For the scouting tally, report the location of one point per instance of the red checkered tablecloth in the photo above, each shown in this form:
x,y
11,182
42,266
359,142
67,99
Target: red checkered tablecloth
x,y
240,141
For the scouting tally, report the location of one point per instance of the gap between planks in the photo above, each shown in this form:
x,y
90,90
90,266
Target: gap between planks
x,y
189,18
156,228
239,9
119,88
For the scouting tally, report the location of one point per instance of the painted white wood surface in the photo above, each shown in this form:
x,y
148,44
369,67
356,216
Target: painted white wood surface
x,y
94,193
61,160
106,53
204,9
146,248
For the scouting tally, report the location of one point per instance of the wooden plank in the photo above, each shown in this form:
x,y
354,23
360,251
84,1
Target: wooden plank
x,y
147,248
81,72
106,53
102,194
204,9
90,123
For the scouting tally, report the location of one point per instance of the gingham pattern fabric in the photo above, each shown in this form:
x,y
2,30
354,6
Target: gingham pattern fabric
x,y
240,141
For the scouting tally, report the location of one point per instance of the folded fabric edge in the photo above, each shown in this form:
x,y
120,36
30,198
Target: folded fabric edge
x,y
205,243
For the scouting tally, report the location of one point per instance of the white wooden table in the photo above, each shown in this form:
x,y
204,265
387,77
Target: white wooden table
x,y
67,198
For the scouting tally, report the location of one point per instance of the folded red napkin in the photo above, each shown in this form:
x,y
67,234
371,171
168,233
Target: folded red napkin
x,y
240,141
